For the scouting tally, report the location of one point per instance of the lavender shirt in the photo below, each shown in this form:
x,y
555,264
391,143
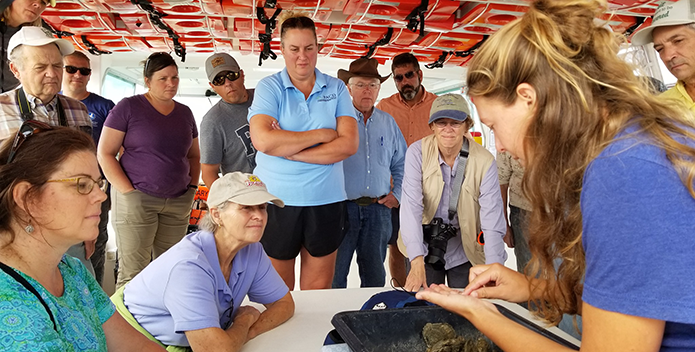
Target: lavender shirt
x,y
155,146
491,212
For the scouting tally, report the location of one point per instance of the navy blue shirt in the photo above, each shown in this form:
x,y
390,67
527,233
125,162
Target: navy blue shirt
x,y
98,108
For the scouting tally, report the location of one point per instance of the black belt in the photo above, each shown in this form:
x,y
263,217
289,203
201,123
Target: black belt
x,y
365,201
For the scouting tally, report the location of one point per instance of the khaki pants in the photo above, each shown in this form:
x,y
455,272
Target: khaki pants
x,y
146,227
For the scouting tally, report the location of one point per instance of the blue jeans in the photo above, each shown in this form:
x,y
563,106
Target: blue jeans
x,y
368,235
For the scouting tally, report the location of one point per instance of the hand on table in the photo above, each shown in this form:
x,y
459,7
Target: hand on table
x,y
416,277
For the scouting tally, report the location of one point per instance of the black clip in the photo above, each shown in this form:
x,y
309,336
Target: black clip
x,y
93,48
381,42
440,61
417,16
266,37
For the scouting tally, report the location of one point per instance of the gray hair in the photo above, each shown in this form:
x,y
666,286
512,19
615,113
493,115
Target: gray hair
x,y
207,223
16,55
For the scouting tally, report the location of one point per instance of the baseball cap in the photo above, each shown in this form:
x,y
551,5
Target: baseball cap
x,y
220,62
449,106
37,36
240,188
667,14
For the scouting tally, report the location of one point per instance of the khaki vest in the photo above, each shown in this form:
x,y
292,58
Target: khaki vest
x,y
468,209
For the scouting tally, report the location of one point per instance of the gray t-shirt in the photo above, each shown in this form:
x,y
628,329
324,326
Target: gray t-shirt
x,y
225,137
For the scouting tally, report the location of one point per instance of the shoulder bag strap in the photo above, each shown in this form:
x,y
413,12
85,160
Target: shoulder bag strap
x,y
458,179
61,113
24,107
15,275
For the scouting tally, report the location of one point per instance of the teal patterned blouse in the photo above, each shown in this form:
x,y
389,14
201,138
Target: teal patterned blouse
x,y
79,313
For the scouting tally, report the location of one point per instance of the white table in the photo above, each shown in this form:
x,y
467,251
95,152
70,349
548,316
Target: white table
x,y
307,329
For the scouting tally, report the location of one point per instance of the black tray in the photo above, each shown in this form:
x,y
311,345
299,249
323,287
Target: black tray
x,y
400,329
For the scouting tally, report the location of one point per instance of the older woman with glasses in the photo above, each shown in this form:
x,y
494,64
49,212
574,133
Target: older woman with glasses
x,y
451,205
190,297
155,178
50,199
303,125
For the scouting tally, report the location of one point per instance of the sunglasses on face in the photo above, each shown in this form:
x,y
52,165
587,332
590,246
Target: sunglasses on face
x,y
85,71
28,128
229,75
84,184
408,75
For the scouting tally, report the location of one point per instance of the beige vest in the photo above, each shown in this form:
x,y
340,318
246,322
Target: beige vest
x,y
468,209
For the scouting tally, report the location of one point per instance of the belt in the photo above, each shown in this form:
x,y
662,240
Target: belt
x,y
365,201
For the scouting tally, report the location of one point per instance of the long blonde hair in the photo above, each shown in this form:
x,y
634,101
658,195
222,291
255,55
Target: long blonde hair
x,y
585,94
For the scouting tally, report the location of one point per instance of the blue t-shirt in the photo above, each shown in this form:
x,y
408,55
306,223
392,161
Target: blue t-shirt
x,y
184,288
298,183
98,108
79,313
639,238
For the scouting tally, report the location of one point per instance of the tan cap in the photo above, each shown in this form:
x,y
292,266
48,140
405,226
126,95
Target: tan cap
x,y
220,62
240,188
449,106
667,14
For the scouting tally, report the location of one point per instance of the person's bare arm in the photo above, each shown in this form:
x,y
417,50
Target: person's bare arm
x,y
269,139
336,150
193,157
122,337
230,340
275,314
110,144
210,173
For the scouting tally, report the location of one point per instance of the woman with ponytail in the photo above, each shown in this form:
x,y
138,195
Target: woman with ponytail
x,y
609,173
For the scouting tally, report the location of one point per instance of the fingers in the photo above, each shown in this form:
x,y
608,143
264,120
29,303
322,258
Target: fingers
x,y
481,276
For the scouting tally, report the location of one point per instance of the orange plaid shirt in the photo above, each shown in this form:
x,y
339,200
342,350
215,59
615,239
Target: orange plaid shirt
x,y
411,120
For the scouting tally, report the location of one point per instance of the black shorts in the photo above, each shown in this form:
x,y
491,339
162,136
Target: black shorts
x,y
320,229
395,225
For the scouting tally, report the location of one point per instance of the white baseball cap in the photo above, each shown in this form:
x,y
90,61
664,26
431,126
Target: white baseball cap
x,y
37,36
667,14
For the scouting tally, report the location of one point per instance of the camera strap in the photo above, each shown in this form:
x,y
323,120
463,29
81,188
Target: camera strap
x,y
458,179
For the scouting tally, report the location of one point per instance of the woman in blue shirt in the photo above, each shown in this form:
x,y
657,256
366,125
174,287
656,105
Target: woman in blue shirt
x,y
609,174
303,125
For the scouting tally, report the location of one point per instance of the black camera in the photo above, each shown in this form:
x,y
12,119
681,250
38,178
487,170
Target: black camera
x,y
437,234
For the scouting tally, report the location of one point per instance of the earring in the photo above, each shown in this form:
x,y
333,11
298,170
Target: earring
x,y
29,228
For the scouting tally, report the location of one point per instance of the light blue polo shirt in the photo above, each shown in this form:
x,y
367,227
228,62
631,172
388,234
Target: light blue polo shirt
x,y
298,183
184,288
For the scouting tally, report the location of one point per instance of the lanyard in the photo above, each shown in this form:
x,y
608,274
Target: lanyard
x,y
15,275
27,114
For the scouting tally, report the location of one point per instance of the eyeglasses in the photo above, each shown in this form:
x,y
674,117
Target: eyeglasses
x,y
229,75
84,184
85,71
372,86
408,75
28,128
453,123
227,316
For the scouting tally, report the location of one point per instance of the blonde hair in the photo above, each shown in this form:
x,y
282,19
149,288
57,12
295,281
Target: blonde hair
x,y
585,95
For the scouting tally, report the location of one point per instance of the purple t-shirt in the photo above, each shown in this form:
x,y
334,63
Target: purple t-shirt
x,y
155,146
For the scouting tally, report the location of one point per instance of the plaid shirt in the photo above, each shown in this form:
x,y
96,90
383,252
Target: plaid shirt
x,y
11,119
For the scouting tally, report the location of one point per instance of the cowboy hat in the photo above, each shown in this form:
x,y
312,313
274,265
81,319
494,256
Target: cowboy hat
x,y
362,68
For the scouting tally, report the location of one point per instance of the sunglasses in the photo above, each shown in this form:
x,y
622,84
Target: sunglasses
x,y
84,184
83,70
28,128
229,75
408,75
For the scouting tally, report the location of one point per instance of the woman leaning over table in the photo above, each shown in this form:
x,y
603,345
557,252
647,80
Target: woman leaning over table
x,y
190,297
50,199
609,173
155,178
303,125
